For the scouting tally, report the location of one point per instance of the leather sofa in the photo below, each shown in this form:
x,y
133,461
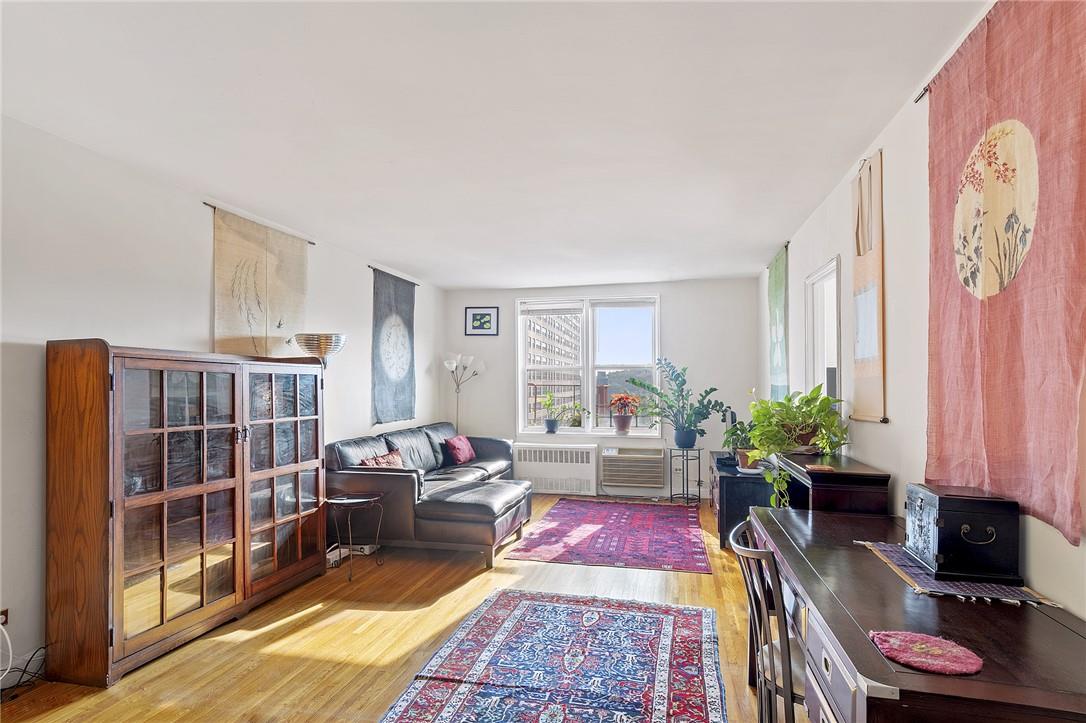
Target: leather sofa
x,y
431,502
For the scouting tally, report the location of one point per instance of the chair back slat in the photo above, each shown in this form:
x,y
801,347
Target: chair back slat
x,y
765,606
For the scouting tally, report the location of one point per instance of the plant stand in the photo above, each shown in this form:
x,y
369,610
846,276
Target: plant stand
x,y
680,460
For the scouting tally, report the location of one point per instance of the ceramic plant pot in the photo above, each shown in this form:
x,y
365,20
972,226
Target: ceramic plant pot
x,y
551,425
686,438
622,423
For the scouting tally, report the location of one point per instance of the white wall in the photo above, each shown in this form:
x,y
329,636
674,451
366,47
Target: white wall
x,y
96,248
1051,564
704,324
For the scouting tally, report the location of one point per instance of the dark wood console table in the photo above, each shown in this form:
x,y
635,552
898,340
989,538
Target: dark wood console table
x,y
837,591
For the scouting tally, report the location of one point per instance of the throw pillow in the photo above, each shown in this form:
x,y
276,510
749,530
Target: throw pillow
x,y
392,459
460,449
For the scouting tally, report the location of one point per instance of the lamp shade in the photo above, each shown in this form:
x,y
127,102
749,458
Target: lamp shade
x,y
321,345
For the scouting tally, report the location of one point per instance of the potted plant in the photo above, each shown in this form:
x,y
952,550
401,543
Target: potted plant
x,y
571,412
624,407
737,439
677,405
797,420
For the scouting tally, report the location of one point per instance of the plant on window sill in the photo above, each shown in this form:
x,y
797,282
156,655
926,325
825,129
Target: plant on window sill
x,y
574,413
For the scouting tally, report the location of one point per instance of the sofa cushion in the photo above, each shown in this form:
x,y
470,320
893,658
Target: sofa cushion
x,y
351,452
392,459
464,473
470,501
414,447
460,449
437,433
492,467
524,484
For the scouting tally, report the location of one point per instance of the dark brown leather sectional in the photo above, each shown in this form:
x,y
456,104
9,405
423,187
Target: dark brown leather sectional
x,y
432,502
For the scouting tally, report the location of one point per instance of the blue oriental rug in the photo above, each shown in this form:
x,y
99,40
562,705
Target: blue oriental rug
x,y
528,656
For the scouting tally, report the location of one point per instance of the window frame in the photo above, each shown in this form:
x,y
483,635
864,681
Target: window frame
x,y
588,366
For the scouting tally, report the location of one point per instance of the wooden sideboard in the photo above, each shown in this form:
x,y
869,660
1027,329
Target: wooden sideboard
x,y
182,489
837,483
837,591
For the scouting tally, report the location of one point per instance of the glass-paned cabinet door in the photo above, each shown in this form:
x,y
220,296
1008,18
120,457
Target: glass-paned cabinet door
x,y
178,488
283,457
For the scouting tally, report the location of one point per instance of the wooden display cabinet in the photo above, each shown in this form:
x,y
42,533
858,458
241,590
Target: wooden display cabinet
x,y
182,490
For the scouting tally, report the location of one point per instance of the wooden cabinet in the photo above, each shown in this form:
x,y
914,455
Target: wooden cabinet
x,y
182,489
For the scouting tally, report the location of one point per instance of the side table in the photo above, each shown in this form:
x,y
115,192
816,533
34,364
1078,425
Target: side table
x,y
686,458
349,503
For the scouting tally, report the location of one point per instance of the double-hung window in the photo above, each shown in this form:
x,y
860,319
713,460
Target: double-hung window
x,y
583,351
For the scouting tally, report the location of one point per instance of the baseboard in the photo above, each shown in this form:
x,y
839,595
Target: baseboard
x,y
34,662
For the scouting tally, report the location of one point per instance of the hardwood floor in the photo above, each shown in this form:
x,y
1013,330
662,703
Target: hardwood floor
x,y
339,650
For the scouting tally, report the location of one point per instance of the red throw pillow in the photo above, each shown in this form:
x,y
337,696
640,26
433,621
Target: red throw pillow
x,y
460,449
392,459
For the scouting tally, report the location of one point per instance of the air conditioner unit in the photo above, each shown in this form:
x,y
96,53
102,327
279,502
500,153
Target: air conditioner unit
x,y
561,469
632,467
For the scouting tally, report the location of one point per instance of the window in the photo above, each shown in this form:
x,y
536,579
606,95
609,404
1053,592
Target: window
x,y
582,351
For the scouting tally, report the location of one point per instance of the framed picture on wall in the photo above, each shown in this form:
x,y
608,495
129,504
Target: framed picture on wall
x,y
480,321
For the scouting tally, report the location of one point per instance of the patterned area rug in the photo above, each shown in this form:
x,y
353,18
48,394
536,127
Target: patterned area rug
x,y
527,656
617,534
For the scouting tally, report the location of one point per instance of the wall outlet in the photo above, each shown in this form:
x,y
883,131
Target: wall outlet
x,y
4,616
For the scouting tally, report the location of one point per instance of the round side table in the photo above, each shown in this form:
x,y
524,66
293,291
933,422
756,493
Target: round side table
x,y
349,503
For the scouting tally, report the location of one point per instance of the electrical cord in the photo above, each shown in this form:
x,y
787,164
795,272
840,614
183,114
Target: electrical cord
x,y
11,653
25,676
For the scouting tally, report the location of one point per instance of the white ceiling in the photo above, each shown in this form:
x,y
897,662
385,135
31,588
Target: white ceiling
x,y
489,145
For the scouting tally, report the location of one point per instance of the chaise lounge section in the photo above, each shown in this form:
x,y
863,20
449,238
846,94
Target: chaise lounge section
x,y
432,502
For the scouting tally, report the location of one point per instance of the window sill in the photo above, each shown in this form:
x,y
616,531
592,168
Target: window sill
x,y
574,432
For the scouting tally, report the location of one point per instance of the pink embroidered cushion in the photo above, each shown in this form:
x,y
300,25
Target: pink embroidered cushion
x,y
927,652
460,449
392,459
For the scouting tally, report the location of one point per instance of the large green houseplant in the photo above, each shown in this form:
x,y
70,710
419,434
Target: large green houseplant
x,y
784,425
675,403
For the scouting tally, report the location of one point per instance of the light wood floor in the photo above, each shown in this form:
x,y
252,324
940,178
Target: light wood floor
x,y
339,650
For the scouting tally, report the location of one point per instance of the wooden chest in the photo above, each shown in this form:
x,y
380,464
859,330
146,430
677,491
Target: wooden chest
x,y
963,533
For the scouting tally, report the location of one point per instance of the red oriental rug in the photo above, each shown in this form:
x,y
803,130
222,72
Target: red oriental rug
x,y
617,534
528,656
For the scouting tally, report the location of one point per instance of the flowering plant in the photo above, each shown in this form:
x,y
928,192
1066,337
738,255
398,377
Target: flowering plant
x,y
625,403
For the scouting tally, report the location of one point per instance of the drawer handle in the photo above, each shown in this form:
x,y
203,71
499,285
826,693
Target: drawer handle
x,y
827,666
989,529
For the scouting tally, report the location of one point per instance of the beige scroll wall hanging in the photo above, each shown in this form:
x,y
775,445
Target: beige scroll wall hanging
x,y
869,367
260,287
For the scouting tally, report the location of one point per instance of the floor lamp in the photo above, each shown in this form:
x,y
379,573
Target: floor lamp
x,y
459,366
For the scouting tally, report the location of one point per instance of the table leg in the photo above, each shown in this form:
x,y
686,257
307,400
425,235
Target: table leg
x,y
377,537
350,541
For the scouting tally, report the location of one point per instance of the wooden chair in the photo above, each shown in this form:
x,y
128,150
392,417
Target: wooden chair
x,y
781,670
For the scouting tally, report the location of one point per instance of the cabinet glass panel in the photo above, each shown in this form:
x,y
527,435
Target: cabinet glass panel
x,y
260,396
260,502
220,454
308,439
307,395
262,553
220,571
142,536
183,399
142,602
284,396
220,398
286,444
220,516
310,535
286,543
286,499
260,448
184,464
183,525
308,480
142,398
184,580
142,464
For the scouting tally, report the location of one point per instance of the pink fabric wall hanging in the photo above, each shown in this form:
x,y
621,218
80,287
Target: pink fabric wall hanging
x,y
1007,312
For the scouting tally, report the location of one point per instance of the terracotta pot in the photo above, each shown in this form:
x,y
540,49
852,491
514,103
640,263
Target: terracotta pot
x,y
622,423
744,459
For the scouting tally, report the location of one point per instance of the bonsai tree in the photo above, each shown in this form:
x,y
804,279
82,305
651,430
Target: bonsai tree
x,y
795,421
571,412
677,405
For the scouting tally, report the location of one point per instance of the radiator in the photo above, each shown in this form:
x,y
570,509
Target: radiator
x,y
632,467
564,469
